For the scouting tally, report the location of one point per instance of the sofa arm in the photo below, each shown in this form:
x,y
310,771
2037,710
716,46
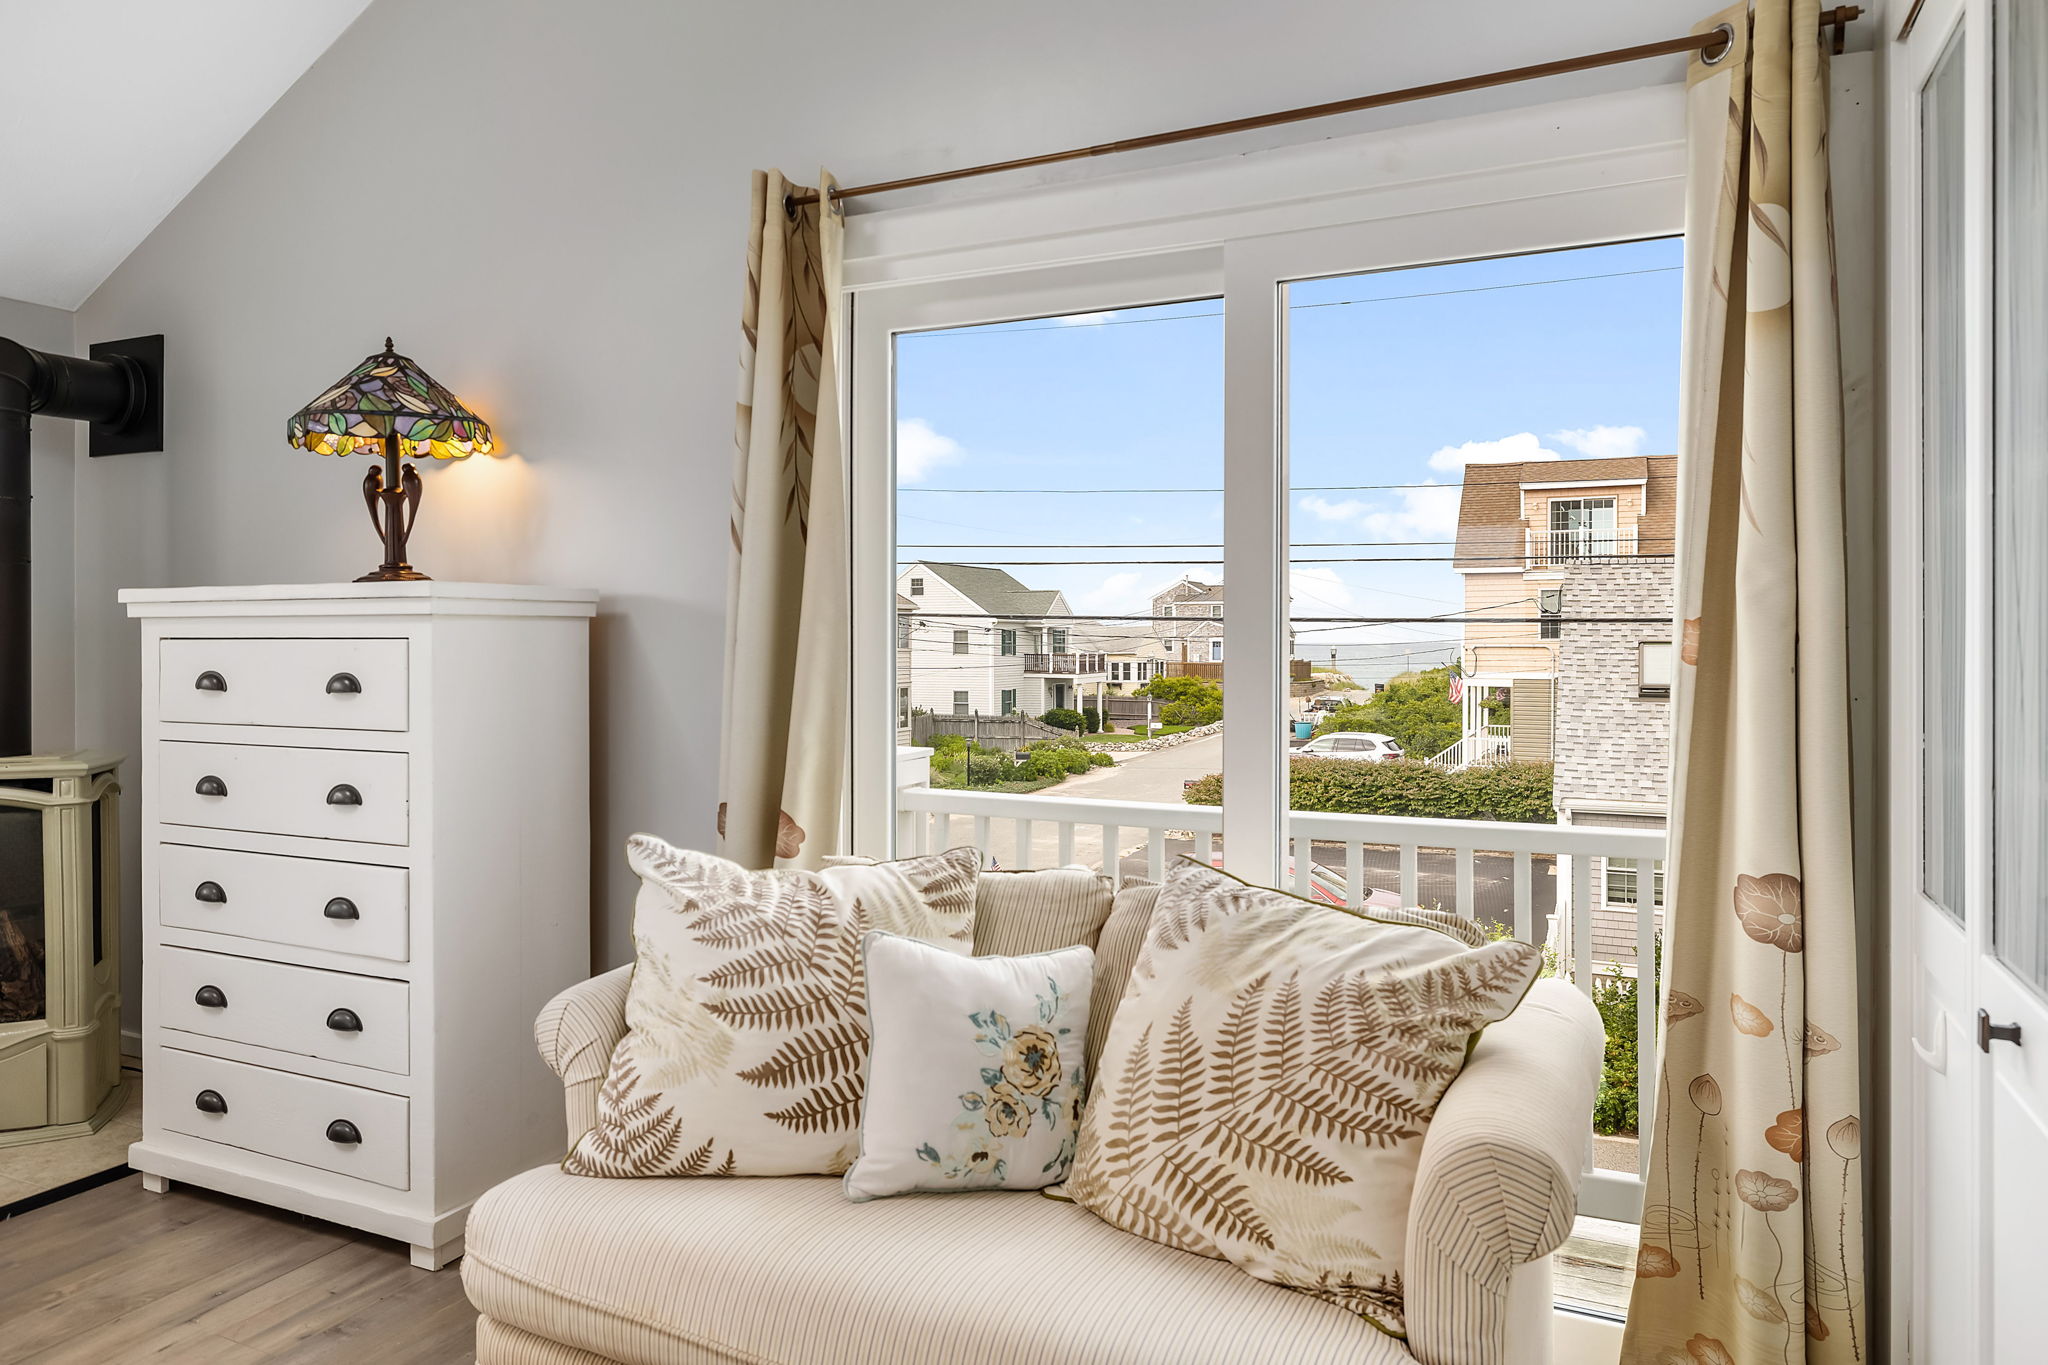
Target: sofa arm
x,y
1498,1183
576,1032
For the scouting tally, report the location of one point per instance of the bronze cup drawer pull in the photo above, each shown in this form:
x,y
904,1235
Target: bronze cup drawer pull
x,y
210,893
209,1102
342,684
341,907
342,794
210,786
210,997
344,1021
210,681
344,1132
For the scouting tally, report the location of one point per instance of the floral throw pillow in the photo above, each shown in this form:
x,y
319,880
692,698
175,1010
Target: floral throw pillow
x,y
975,1079
747,1028
1268,1078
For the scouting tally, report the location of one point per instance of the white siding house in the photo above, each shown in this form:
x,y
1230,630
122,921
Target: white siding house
x,y
981,643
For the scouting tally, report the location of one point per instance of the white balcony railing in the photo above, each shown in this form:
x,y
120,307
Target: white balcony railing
x,y
1489,744
1580,542
1484,870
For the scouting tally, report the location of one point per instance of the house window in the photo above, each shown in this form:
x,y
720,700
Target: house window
x,y
959,642
902,706
1009,701
1216,650
1009,643
959,703
1216,610
1623,880
917,587
1653,668
1580,527
903,632
1549,610
1059,642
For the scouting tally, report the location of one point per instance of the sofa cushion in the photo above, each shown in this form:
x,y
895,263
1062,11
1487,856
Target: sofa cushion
x,y
1270,1074
675,1272
1116,948
747,1031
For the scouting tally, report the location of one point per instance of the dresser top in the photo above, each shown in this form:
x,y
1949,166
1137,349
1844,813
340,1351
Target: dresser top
x,y
421,597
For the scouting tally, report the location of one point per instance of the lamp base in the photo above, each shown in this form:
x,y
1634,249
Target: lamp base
x,y
404,573
394,501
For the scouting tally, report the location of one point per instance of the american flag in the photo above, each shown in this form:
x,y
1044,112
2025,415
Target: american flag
x,y
1457,687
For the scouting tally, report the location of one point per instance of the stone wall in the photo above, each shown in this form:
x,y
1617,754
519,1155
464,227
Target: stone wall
x,y
1612,744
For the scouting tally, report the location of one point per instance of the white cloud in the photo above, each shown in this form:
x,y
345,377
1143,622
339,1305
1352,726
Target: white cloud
x,y
1522,446
1429,512
1085,319
919,449
1603,443
1323,509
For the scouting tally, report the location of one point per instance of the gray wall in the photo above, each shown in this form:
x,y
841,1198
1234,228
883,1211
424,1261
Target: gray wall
x,y
545,204
50,550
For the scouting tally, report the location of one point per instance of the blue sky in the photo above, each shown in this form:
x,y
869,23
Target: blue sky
x,y
1384,388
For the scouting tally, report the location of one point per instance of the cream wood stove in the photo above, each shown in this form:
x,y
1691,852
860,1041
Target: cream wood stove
x,y
60,973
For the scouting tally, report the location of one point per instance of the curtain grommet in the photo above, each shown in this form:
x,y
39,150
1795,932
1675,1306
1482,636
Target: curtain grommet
x,y
1709,56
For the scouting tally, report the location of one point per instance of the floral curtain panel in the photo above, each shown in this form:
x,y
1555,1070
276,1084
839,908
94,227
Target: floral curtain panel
x,y
787,670
1752,1233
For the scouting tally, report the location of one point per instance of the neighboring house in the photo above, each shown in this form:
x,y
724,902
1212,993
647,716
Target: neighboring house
x,y
1573,539
1193,634
904,608
981,643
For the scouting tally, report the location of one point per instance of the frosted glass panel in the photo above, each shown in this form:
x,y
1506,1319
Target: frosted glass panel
x,y
1942,549
2019,473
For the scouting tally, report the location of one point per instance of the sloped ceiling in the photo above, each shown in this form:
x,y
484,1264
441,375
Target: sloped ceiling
x,y
112,110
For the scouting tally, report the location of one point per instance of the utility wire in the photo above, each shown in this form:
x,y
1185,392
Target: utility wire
x,y
1307,487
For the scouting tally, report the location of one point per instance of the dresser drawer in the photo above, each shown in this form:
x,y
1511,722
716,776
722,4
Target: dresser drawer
x,y
293,1118
316,793
342,907
359,1020
323,684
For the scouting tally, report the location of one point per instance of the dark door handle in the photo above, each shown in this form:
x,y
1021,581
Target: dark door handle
x,y
1988,1032
210,892
210,786
344,1132
212,997
344,682
344,1021
342,794
209,1102
210,681
341,907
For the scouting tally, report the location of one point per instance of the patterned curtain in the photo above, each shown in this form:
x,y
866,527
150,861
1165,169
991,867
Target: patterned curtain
x,y
782,769
1752,1233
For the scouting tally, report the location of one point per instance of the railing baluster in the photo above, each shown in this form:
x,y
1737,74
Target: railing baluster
x,y
1066,842
1582,921
1354,873
1205,848
1304,858
1525,899
1112,864
1462,859
981,835
1155,855
1024,862
1411,875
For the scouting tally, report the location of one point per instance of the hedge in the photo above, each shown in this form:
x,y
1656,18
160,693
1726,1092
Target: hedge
x,y
1518,792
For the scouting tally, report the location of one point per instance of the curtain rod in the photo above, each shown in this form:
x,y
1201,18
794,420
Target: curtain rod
x,y
1715,41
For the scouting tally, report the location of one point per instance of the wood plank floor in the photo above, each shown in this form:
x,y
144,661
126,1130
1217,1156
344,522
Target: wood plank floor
x,y
192,1277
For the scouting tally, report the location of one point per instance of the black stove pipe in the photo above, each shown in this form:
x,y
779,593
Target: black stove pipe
x,y
108,392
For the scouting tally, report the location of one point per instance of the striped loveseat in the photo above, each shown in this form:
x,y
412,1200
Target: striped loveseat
x,y
568,1270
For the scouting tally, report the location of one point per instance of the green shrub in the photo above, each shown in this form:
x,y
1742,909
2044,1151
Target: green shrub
x,y
1100,760
1091,720
1191,713
949,744
1518,792
1045,763
987,769
1416,709
1614,1109
1064,718
1076,760
1172,689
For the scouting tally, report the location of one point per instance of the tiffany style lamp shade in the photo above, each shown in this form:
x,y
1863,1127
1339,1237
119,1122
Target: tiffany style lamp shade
x,y
390,406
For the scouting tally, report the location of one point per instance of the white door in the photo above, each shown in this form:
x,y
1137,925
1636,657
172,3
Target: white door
x,y
1969,115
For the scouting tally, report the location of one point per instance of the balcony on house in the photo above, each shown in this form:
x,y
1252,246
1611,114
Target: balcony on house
x,y
1566,545
1070,664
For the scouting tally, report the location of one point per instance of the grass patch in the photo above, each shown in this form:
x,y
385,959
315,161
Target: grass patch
x,y
1122,737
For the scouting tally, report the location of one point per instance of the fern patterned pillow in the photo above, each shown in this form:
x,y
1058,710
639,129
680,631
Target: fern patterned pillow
x,y
746,1027
976,1078
1268,1078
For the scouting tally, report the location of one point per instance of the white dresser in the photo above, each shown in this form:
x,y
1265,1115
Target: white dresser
x,y
366,866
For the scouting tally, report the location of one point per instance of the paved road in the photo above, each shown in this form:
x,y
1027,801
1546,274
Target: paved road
x,y
1158,775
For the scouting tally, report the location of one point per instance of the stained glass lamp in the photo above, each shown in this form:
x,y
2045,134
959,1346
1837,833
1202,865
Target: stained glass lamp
x,y
388,405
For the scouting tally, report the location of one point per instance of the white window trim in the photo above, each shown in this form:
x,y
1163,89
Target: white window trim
x,y
1575,173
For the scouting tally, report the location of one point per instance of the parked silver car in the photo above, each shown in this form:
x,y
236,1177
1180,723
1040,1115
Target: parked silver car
x,y
1360,744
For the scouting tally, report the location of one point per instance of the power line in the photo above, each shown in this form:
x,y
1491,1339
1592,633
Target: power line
x,y
1007,329
1312,559
1310,487
1187,544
